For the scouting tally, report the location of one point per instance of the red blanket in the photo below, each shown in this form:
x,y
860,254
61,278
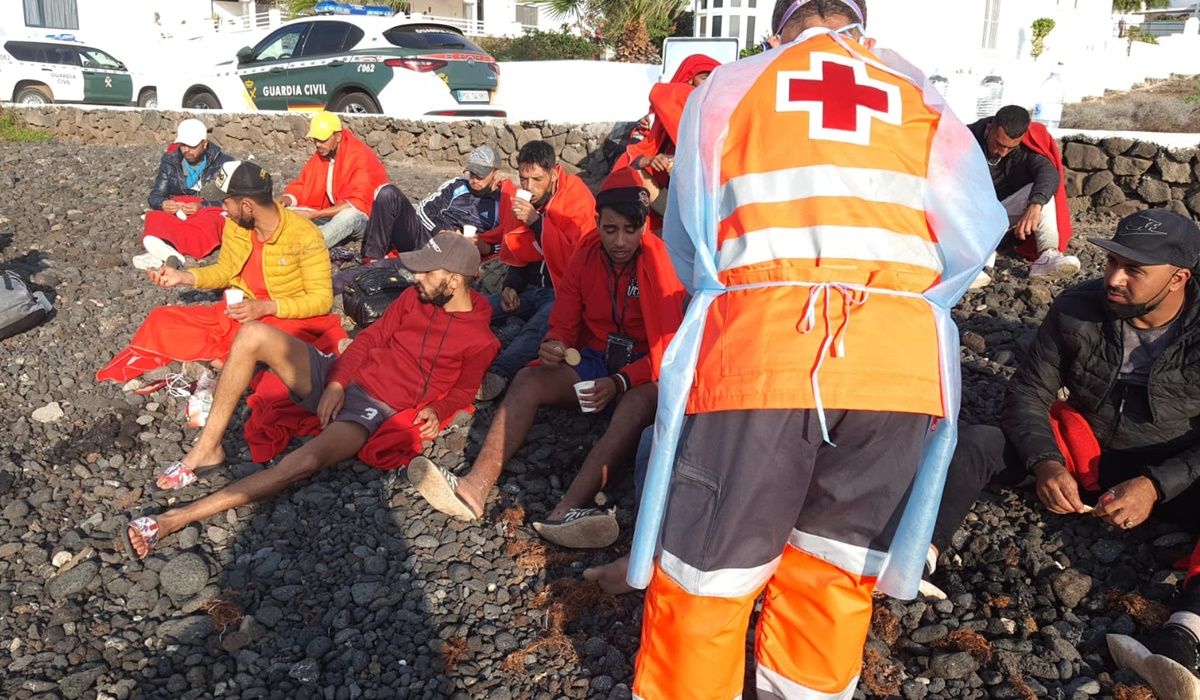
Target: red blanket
x,y
197,235
275,419
183,333
1077,442
1038,139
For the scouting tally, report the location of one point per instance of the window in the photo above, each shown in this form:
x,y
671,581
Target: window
x,y
281,44
735,26
26,51
703,25
703,4
95,58
527,15
427,38
717,3
62,55
991,21
735,3
751,40
752,4
717,26
52,14
330,37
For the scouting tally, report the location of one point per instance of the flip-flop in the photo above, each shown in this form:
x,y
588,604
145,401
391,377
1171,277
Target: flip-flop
x,y
439,488
1170,680
181,475
147,527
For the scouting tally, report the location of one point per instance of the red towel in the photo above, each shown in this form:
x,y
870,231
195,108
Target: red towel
x,y
197,236
275,419
183,333
1077,442
1038,139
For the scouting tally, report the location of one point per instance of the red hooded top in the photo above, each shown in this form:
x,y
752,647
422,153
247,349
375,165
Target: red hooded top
x,y
1038,139
567,217
357,173
419,355
666,102
646,297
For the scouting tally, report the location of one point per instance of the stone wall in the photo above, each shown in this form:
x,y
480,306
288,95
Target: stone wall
x,y
583,148
1119,176
1115,176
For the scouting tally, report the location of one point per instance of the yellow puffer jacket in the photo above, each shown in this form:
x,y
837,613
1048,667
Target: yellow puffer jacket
x,y
295,266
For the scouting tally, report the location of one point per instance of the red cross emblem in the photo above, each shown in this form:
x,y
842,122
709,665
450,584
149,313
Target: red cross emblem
x,y
841,99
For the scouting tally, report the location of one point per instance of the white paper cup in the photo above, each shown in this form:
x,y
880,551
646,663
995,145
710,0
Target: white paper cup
x,y
234,296
180,215
468,231
525,195
583,386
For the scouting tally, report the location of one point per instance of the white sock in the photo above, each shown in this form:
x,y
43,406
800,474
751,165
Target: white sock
x,y
1190,621
931,557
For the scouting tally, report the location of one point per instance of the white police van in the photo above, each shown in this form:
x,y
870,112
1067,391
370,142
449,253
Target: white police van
x,y
59,69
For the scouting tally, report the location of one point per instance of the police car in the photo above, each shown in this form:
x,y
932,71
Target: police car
x,y
365,65
47,70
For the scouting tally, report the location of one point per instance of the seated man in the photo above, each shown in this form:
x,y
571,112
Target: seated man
x,y
1026,183
337,185
619,303
180,222
274,258
470,200
1126,439
428,352
538,233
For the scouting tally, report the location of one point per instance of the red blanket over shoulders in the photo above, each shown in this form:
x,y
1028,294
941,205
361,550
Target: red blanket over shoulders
x,y
1038,139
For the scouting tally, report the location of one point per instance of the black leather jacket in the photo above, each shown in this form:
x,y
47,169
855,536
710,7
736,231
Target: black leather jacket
x,y
1080,346
170,180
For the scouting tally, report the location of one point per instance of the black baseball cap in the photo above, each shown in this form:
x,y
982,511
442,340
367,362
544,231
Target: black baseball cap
x,y
237,178
1155,237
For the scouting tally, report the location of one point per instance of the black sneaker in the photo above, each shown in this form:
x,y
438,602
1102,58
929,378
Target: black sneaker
x,y
1176,643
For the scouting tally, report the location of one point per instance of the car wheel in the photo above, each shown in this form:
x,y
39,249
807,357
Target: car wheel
x,y
354,103
34,95
148,99
202,100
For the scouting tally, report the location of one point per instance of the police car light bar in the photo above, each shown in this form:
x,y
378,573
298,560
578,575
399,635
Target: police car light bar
x,y
330,7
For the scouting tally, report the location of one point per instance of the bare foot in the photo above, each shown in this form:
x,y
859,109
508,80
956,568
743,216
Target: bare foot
x,y
474,496
611,576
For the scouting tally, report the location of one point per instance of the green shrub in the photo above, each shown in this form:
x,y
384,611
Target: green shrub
x,y
13,130
536,45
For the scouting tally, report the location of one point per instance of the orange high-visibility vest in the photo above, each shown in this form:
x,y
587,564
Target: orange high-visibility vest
x,y
823,182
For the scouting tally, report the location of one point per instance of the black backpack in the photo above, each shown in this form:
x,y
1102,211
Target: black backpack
x,y
368,295
19,310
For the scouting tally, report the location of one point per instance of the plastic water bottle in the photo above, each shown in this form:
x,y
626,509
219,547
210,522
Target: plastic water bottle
x,y
1049,107
991,96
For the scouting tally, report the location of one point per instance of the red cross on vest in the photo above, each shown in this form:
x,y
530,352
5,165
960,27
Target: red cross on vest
x,y
841,99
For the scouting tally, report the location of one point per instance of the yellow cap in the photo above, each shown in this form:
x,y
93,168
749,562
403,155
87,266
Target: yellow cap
x,y
324,125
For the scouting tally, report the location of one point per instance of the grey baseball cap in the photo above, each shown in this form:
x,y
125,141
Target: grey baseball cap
x,y
1155,237
447,251
483,161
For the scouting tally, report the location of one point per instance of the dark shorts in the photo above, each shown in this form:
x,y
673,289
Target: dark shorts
x,y
592,364
747,482
358,407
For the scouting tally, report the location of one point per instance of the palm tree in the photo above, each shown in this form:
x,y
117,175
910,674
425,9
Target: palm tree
x,y
1127,6
628,24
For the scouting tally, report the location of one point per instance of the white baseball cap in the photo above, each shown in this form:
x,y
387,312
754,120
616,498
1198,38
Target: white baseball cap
x,y
191,132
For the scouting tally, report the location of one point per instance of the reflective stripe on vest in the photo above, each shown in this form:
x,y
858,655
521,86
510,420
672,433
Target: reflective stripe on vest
x,y
883,186
840,242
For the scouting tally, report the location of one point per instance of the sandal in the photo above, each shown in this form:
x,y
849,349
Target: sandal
x,y
439,487
581,528
180,475
147,527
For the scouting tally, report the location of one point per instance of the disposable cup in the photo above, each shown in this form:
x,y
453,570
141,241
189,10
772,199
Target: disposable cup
x,y
468,231
525,195
234,296
584,386
180,215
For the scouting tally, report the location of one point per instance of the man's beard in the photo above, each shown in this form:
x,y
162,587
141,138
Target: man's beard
x,y
440,297
245,222
1125,311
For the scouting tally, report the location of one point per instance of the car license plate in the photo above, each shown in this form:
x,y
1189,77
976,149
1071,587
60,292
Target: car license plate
x,y
472,95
